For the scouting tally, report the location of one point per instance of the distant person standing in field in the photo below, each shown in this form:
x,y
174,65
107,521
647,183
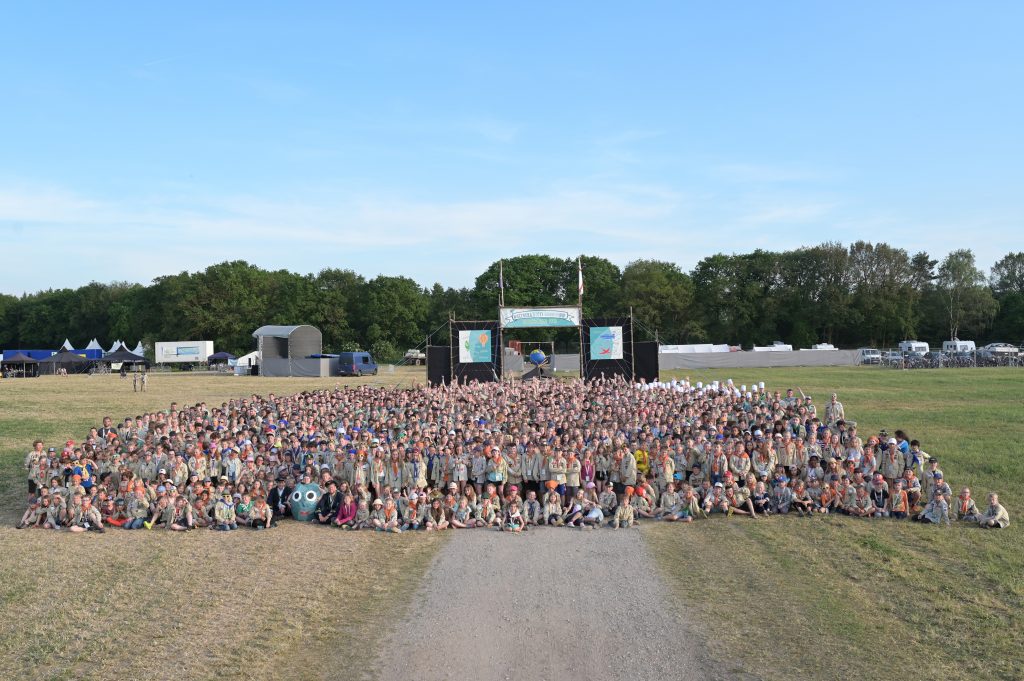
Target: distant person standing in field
x,y
834,412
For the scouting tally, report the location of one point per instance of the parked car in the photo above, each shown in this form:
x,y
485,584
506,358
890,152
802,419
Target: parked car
x,y
936,358
996,350
414,356
894,357
870,356
356,364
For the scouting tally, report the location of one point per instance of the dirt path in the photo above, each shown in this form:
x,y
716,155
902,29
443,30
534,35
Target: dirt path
x,y
553,603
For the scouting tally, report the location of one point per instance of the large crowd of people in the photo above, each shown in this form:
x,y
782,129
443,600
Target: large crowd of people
x,y
507,456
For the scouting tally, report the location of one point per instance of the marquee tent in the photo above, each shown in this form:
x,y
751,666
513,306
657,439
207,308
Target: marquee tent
x,y
23,363
71,362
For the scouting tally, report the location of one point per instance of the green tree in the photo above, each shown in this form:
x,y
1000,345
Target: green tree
x,y
661,296
967,302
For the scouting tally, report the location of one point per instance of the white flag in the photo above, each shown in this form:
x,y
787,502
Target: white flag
x,y
580,262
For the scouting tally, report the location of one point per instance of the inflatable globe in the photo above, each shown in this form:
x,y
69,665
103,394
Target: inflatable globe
x,y
537,357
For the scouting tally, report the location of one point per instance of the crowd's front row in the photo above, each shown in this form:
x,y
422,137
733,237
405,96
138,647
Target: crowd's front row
x,y
222,506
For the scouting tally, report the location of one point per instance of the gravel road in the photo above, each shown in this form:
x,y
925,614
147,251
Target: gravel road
x,y
546,605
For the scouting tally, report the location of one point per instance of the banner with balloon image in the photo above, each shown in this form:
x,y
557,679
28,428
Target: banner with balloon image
x,y
474,346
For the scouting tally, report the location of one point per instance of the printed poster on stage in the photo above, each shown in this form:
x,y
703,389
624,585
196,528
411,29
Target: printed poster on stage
x,y
474,346
606,342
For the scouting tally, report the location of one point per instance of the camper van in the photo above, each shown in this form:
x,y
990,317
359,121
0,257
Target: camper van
x,y
356,364
913,347
955,345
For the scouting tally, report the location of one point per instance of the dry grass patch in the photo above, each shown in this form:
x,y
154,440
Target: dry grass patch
x,y
245,604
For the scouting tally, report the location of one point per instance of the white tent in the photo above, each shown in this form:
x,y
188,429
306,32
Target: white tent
x,y
252,358
94,345
67,347
115,347
139,350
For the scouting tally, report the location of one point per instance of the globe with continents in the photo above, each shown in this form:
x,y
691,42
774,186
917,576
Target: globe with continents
x,y
537,357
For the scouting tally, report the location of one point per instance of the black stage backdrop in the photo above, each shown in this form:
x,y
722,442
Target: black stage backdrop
x,y
439,364
645,358
594,368
463,372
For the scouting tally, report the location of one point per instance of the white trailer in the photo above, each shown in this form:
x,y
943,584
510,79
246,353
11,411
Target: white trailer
x,y
169,352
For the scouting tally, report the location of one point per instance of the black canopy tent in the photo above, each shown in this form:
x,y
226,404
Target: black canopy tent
x,y
20,362
220,357
124,357
71,362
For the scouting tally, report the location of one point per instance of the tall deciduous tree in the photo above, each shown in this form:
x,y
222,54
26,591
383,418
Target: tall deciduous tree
x,y
966,300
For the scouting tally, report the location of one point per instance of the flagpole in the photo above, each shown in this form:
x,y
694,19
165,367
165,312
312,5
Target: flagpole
x,y
579,262
579,303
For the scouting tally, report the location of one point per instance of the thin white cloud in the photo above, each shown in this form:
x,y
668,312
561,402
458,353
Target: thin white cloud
x,y
440,240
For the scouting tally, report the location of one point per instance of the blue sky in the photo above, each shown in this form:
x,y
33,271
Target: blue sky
x,y
431,139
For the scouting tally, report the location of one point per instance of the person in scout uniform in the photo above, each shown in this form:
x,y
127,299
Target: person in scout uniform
x,y
556,471
935,511
513,521
437,516
224,514
462,516
362,521
573,467
802,501
966,508
377,515
32,516
760,500
782,496
995,516
392,521
899,504
627,469
715,501
641,504
932,476
497,470
262,515
552,504
86,518
180,516
834,411
668,503
533,512
624,516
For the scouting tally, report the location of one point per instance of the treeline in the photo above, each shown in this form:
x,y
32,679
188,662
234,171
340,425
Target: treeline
x,y
864,294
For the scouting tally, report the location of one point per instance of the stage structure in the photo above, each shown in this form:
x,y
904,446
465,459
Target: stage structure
x,y
606,346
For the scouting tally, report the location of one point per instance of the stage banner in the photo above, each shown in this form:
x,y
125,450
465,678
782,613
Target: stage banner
x,y
605,342
538,317
474,346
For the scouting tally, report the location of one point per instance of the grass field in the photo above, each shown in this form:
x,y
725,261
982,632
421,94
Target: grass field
x,y
778,598
836,597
